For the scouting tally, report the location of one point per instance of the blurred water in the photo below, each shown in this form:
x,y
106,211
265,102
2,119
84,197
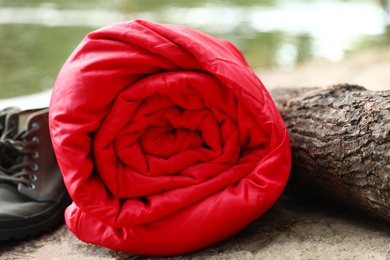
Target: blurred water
x,y
37,36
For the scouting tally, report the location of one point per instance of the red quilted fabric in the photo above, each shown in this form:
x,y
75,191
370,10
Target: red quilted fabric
x,y
167,141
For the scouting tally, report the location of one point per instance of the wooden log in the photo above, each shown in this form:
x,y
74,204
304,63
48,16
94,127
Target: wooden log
x,y
340,141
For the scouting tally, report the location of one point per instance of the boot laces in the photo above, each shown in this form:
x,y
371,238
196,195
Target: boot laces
x,y
13,149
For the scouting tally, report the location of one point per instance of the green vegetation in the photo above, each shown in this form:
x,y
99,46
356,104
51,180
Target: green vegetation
x,y
31,56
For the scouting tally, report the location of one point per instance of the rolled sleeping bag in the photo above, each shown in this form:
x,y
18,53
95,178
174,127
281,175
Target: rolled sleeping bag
x,y
167,141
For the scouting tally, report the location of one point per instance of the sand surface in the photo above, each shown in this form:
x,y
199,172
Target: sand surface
x,y
295,227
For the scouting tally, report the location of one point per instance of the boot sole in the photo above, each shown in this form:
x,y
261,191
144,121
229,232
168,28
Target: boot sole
x,y
55,218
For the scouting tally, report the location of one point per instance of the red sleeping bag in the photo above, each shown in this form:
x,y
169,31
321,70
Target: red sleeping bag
x,y
167,141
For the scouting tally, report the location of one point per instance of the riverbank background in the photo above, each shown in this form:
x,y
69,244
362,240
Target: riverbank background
x,y
289,43
36,36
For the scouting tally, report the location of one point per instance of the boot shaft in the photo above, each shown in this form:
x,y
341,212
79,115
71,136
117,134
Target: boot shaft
x,y
9,118
42,172
27,152
5,120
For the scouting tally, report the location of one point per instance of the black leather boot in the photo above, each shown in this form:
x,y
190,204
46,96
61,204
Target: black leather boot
x,y
3,117
9,118
32,193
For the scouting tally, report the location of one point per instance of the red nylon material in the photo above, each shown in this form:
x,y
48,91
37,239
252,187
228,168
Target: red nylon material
x,y
167,140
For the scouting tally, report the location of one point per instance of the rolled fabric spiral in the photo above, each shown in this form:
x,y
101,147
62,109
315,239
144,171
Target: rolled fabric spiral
x,y
167,141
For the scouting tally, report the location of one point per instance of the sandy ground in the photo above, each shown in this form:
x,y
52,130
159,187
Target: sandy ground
x,y
370,69
296,227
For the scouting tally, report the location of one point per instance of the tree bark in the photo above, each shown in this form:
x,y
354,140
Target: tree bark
x,y
340,141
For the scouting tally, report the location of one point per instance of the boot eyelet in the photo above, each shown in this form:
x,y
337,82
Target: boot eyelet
x,y
31,186
35,154
35,125
33,177
35,140
34,167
